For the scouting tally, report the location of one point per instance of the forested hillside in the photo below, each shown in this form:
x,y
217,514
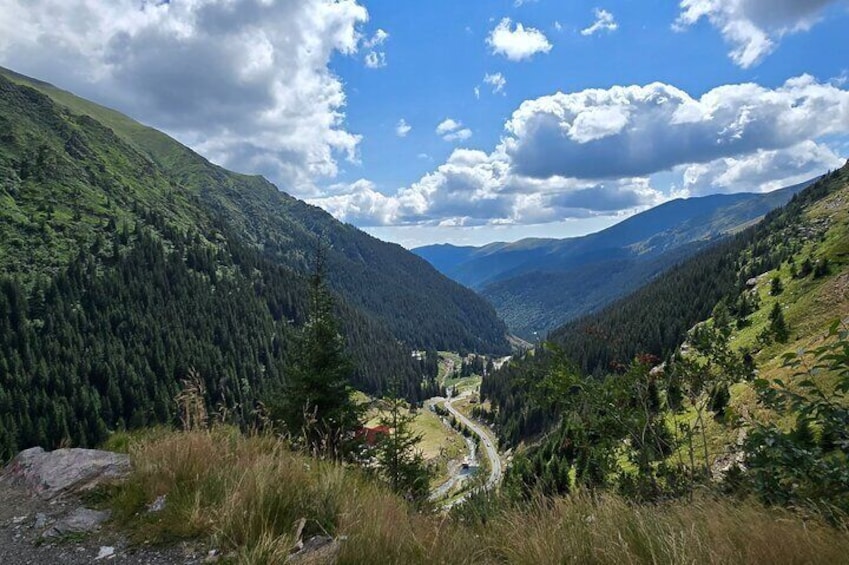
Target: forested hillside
x,y
100,164
537,285
122,270
655,319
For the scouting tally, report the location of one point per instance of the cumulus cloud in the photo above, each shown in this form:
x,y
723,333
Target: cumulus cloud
x,y
752,27
517,43
595,152
762,171
244,82
473,188
402,128
496,81
604,21
452,130
640,130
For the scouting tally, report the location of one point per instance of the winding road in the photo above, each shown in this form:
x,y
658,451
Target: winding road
x,y
495,470
486,441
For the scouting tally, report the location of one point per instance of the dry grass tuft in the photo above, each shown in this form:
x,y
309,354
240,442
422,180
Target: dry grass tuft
x,y
249,494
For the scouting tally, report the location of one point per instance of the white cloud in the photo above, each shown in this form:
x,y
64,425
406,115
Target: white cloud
x,y
458,135
594,153
604,21
244,82
379,38
496,81
761,171
375,59
558,26
446,125
520,3
519,43
477,91
641,130
452,130
402,128
360,204
752,27
474,188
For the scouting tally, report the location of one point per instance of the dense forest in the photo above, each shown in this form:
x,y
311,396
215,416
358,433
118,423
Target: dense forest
x,y
105,344
124,271
655,319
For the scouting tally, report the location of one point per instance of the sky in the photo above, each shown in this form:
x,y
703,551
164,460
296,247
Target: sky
x,y
466,122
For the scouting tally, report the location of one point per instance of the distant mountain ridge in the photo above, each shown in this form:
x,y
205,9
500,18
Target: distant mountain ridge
x,y
538,284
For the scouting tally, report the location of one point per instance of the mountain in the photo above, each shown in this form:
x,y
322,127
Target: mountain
x,y
382,279
538,284
805,243
128,263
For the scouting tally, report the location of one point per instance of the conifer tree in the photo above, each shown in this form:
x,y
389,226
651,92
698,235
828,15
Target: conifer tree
x,y
776,287
317,403
400,459
777,326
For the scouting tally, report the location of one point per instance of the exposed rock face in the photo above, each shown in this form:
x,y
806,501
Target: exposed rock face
x,y
50,474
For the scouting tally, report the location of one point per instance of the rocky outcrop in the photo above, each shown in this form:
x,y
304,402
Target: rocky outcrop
x,y
80,521
54,473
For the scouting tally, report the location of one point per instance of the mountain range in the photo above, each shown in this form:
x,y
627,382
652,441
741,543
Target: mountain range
x,y
536,285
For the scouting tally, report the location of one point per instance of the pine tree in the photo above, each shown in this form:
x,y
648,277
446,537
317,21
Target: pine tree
x,y
776,287
317,404
777,326
400,460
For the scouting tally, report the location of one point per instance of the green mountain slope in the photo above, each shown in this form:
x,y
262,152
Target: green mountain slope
x,y
537,285
421,307
656,318
121,270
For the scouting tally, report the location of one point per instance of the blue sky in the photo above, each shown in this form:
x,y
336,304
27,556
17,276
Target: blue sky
x,y
565,116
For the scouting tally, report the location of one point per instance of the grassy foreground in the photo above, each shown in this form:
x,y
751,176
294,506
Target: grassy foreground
x,y
246,495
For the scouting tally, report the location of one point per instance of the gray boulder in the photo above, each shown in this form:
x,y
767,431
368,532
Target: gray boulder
x,y
80,521
54,473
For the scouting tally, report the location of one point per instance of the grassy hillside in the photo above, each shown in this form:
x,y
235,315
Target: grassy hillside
x,y
246,497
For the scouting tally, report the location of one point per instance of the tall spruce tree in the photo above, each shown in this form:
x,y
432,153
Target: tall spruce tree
x,y
398,455
317,404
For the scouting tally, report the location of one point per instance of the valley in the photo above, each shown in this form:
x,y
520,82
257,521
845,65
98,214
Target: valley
x,y
302,282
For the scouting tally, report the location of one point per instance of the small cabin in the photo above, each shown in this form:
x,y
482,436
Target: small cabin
x,y
372,435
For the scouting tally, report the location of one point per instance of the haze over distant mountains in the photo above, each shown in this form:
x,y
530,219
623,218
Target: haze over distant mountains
x,y
538,284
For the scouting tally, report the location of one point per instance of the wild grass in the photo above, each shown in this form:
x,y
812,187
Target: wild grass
x,y
247,495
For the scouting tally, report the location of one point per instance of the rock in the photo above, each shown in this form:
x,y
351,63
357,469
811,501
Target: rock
x,y
50,474
18,519
106,552
317,549
41,521
158,505
80,521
